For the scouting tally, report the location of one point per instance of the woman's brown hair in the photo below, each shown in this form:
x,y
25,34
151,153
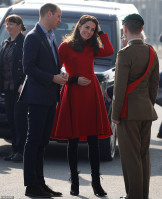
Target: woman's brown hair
x,y
75,40
16,19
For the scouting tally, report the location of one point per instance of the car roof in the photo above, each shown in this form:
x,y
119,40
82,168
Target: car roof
x,y
70,9
105,10
98,7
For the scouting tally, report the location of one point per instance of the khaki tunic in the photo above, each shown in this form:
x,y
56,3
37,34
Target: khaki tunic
x,y
132,62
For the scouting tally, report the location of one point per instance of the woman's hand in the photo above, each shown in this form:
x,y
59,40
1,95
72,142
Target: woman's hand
x,y
83,81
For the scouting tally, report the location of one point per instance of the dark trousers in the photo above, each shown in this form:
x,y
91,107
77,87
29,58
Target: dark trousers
x,y
93,153
40,121
134,141
17,119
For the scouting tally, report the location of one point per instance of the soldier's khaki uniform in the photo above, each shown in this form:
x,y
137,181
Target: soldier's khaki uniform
x,y
134,131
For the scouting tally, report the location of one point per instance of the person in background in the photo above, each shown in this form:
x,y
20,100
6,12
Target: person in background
x,y
40,91
81,114
134,96
11,80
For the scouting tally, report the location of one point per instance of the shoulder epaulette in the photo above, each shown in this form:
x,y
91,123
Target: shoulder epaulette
x,y
125,48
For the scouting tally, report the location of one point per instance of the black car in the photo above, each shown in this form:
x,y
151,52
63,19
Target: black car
x,y
109,18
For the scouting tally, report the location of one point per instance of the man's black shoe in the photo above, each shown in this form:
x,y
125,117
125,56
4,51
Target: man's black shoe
x,y
38,192
9,157
18,157
49,190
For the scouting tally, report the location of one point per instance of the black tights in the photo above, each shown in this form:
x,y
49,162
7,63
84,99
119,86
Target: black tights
x,y
93,154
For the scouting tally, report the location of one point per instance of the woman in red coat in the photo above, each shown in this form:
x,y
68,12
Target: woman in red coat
x,y
81,114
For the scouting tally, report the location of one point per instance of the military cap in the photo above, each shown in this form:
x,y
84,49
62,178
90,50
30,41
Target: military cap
x,y
134,16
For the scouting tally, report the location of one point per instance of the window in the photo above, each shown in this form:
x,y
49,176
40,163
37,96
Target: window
x,y
66,26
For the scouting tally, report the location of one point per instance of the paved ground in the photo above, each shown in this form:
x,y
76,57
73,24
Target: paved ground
x,y
57,172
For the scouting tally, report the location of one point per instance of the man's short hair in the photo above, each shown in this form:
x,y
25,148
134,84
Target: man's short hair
x,y
135,27
48,7
134,23
134,16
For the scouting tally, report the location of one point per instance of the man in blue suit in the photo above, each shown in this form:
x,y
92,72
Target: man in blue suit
x,y
40,92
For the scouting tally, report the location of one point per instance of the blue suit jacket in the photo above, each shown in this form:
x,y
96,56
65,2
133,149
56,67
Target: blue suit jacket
x,y
39,67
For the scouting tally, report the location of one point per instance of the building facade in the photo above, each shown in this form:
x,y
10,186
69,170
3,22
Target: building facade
x,y
151,11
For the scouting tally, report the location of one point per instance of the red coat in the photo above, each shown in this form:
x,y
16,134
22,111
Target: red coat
x,y
82,110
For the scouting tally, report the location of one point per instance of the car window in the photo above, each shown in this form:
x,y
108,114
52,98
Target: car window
x,y
65,27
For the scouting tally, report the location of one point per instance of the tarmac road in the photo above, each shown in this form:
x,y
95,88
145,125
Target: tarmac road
x,y
57,171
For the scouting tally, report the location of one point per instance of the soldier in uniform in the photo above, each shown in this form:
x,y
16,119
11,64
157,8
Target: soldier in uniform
x,y
134,95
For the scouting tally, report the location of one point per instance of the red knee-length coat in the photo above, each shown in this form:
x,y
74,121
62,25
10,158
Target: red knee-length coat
x,y
82,110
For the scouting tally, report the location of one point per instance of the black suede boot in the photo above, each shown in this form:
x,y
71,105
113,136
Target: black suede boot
x,y
73,164
94,162
96,185
74,184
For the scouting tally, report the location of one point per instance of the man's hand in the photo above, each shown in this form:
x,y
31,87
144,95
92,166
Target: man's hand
x,y
65,75
83,81
115,121
60,79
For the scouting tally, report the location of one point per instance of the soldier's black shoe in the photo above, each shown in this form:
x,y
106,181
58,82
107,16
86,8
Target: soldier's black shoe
x,y
9,157
37,191
49,190
123,197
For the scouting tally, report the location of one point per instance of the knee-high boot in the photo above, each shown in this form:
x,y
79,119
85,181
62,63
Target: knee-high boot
x,y
73,164
94,162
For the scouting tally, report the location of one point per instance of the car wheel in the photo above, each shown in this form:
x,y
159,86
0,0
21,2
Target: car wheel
x,y
107,146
